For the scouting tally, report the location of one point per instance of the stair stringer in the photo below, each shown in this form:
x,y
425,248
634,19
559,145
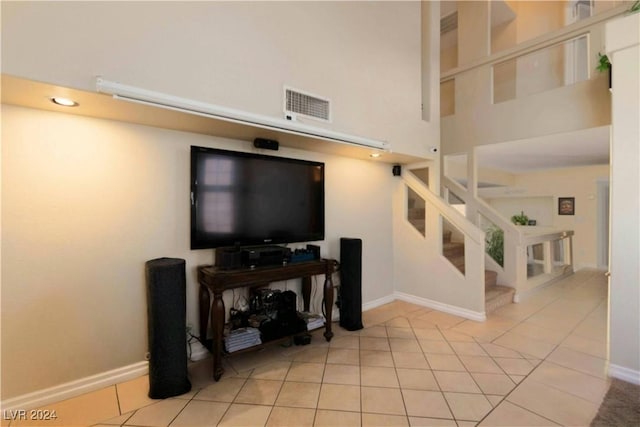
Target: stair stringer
x,y
421,270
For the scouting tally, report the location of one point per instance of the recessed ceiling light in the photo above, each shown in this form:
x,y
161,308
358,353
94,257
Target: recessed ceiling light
x,y
375,155
65,102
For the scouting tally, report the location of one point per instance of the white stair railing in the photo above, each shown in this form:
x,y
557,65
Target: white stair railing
x,y
520,243
460,293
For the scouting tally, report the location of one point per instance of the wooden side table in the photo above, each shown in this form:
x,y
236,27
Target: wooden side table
x,y
216,281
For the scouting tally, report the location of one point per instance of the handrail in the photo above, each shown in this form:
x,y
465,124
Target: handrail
x,y
530,239
498,219
574,30
486,210
458,188
449,213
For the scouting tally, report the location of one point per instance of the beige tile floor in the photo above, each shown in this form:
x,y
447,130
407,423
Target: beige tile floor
x,y
537,363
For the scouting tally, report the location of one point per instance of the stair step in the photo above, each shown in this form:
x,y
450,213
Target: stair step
x,y
497,296
457,262
452,249
490,278
416,213
418,224
446,236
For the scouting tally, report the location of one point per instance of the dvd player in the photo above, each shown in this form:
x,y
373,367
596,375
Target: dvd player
x,y
264,255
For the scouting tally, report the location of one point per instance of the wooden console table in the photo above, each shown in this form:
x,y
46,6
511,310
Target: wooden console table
x,y
216,281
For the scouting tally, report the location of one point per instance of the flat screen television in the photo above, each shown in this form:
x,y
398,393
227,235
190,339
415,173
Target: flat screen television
x,y
246,199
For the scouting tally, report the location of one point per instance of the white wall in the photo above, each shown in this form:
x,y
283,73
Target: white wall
x,y
79,220
364,56
623,47
538,208
538,194
86,202
479,120
423,273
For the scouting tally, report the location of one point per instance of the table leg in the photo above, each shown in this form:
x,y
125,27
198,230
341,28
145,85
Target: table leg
x,y
217,323
306,292
328,305
205,306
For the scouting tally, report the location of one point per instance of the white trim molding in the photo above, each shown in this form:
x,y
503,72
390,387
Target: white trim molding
x,y
378,302
76,388
624,374
198,351
425,302
478,316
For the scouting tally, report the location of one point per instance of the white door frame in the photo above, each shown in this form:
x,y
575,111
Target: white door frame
x,y
602,223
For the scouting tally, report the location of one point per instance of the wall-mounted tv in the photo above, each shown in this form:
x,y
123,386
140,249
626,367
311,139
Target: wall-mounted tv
x,y
245,199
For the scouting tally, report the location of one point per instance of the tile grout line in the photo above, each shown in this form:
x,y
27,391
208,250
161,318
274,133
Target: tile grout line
x,y
536,367
561,295
235,396
181,410
468,373
324,368
395,369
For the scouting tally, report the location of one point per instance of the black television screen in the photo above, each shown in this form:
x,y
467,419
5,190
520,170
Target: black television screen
x,y
253,199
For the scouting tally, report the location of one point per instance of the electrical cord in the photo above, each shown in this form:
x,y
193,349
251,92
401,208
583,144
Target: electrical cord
x,y
190,340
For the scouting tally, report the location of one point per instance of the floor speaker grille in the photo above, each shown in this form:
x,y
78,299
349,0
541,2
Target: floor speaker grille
x,y
351,283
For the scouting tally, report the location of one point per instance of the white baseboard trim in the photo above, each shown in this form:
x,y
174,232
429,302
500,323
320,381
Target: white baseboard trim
x,y
624,374
478,316
378,302
76,388
586,266
198,351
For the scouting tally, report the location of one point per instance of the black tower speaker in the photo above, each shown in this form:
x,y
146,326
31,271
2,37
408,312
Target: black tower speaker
x,y
166,310
351,284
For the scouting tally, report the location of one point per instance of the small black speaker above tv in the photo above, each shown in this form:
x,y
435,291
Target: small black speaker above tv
x,y
268,144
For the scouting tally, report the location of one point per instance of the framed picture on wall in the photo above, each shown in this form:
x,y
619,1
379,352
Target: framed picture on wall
x,y
566,205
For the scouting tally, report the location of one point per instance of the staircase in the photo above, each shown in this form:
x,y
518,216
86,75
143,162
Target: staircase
x,y
495,296
416,217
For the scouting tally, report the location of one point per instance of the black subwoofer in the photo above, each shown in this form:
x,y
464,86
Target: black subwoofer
x,y
351,283
166,310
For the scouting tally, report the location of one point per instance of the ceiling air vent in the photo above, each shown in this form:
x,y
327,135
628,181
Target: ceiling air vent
x,y
307,105
449,23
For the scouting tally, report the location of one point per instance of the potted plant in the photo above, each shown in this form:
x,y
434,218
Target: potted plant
x,y
603,65
495,244
521,219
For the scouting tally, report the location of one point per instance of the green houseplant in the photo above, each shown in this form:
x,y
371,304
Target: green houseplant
x,y
604,65
495,244
521,219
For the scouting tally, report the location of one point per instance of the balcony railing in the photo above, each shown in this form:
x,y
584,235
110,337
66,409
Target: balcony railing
x,y
558,65
525,257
